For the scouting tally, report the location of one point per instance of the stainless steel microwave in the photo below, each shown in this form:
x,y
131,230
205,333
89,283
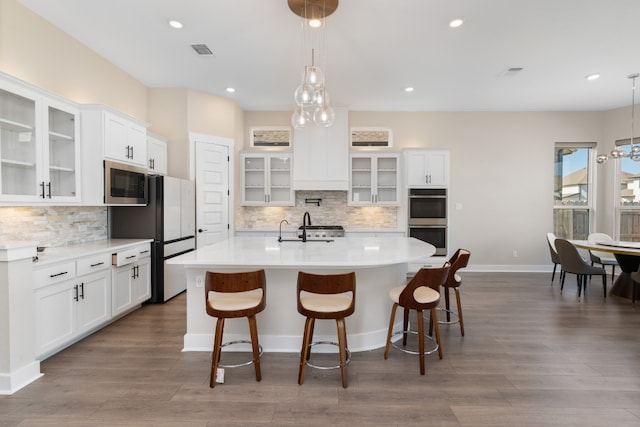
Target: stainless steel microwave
x,y
124,184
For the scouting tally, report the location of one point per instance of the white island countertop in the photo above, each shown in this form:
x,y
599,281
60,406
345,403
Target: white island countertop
x,y
380,263
342,252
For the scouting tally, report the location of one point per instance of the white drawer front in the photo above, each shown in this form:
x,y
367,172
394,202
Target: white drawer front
x,y
125,257
94,263
54,274
144,251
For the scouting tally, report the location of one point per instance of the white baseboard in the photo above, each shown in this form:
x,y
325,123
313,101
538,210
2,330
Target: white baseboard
x,y
14,381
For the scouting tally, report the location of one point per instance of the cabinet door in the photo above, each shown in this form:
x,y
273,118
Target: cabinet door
x,y
142,283
137,140
115,135
94,306
362,191
55,315
20,149
428,168
387,180
121,294
254,180
280,180
157,156
61,158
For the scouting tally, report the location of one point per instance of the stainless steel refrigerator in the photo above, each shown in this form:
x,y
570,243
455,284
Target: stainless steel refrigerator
x,y
168,219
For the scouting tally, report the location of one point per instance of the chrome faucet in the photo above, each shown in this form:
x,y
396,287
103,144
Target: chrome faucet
x,y
280,232
304,225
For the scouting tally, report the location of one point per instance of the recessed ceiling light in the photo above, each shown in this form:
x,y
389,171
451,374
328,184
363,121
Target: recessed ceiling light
x,y
230,90
408,89
594,76
175,24
456,23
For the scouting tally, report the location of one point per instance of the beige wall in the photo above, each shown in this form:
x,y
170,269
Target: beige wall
x,y
35,51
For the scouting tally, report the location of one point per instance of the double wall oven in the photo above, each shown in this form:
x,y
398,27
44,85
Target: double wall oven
x,y
428,217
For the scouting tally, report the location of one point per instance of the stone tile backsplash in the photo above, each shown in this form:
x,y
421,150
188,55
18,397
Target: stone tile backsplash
x,y
333,210
53,225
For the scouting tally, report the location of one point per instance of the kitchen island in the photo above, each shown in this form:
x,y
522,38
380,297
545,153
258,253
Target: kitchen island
x,y
380,263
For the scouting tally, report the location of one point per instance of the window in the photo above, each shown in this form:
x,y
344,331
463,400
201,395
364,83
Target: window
x,y
572,190
371,137
629,187
270,136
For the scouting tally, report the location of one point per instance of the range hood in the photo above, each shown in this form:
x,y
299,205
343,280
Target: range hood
x,y
321,155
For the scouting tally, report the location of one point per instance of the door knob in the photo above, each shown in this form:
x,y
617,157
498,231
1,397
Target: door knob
x,y
200,230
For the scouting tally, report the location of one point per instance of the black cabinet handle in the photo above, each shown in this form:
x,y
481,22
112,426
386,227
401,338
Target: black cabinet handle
x,y
58,274
96,264
75,288
131,256
82,290
49,189
42,188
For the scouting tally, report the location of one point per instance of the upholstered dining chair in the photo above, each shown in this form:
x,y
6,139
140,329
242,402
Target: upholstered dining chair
x,y
602,258
573,263
555,259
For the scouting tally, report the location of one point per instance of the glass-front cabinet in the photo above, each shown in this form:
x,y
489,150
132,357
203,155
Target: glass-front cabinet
x,y
39,155
374,179
267,179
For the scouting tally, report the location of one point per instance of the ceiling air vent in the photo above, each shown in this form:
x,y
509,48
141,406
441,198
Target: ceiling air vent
x,y
202,49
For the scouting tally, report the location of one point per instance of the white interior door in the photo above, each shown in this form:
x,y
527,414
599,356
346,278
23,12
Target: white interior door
x,y
212,192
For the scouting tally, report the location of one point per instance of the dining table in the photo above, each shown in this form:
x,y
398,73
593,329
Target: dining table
x,y
628,256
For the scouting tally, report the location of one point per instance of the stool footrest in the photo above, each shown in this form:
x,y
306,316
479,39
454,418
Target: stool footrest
x,y
228,343
327,367
409,351
451,313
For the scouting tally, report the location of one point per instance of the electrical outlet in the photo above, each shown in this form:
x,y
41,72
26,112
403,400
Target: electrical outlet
x,y
199,282
515,253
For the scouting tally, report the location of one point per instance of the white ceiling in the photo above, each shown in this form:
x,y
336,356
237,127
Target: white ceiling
x,y
374,48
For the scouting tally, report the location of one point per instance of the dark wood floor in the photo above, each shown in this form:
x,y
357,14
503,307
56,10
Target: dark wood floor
x,y
531,357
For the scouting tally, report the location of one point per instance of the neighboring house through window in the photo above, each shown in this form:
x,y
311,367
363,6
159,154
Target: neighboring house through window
x,y
628,206
573,192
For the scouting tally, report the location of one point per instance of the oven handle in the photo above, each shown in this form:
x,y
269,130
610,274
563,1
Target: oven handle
x,y
427,197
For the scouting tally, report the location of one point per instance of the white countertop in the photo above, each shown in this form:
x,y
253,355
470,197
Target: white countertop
x,y
263,252
64,253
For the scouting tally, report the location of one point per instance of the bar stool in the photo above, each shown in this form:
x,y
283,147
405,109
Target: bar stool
x,y
232,295
459,260
326,296
421,292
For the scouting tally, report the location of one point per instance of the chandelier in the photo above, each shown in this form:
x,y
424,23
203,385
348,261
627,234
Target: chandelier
x,y
311,97
634,151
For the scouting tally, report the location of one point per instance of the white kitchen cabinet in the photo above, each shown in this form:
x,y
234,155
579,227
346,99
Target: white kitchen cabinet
x,y
132,278
39,146
71,301
266,179
156,155
111,135
427,168
375,179
321,155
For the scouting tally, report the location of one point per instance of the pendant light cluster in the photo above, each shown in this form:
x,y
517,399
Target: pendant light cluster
x,y
634,151
311,97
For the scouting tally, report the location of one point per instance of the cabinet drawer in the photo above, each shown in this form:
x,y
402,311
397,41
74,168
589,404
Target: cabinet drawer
x,y
54,274
125,257
94,263
144,251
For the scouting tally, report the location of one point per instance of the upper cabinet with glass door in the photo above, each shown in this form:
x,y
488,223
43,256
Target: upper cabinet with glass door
x,y
39,156
375,180
267,179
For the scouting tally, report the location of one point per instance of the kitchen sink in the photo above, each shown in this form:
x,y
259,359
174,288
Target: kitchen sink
x,y
308,240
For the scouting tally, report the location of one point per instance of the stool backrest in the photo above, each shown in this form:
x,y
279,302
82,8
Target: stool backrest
x,y
234,282
460,259
327,284
433,278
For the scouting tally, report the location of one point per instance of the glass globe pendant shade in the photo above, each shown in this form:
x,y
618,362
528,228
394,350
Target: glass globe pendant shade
x,y
313,76
303,95
616,153
300,118
602,158
324,116
320,97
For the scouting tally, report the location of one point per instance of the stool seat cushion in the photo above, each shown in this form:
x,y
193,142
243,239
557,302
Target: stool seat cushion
x,y
422,294
234,301
325,303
